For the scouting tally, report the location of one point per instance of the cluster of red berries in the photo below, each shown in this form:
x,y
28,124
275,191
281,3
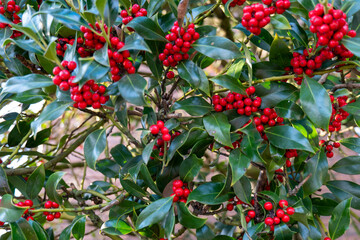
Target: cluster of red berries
x,y
280,214
160,144
135,11
329,27
61,45
11,10
245,104
91,94
180,40
159,127
290,153
329,147
338,114
27,203
51,216
234,2
255,17
234,201
268,118
181,191
91,39
119,61
280,5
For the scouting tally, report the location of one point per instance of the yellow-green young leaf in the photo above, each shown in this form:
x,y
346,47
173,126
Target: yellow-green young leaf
x,y
116,227
22,230
280,22
50,52
187,219
52,185
340,219
217,47
315,102
35,182
77,228
217,125
154,213
94,145
8,211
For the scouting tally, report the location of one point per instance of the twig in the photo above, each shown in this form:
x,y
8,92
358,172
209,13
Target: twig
x,y
297,187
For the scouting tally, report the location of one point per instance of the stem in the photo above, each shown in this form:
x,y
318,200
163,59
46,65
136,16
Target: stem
x,y
95,193
208,13
84,175
322,225
79,209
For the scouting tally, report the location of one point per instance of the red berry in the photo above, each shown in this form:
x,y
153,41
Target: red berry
x,y
48,204
154,129
57,215
251,213
277,220
268,206
283,203
336,144
160,124
327,238
329,154
178,183
290,211
285,218
230,207
50,217
352,33
166,137
179,192
269,221
28,203
71,65
170,75
54,205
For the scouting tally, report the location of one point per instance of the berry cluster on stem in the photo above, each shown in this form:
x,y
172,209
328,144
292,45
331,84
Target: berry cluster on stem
x,y
10,10
51,216
27,203
180,191
134,12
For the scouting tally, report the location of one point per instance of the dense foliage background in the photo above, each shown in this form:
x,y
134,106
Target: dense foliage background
x,y
225,116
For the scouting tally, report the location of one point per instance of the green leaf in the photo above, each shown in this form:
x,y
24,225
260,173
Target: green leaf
x,y
286,137
280,22
348,165
187,219
280,52
89,68
283,232
262,41
190,168
308,4
217,47
230,83
23,83
108,167
169,223
353,45
290,110
344,190
39,230
223,237
273,93
148,179
132,88
234,71
135,42
121,154
51,112
132,188
39,139
116,227
101,56
22,230
317,166
94,145
195,106
50,52
207,192
8,211
154,213
108,9
52,185
316,102
239,164
194,75
67,17
350,7
77,228
253,231
147,28
351,143
353,108
217,125
340,219
242,189
35,182
147,151
30,96
4,184
204,233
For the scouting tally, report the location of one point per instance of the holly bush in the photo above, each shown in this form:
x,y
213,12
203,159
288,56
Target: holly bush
x,y
226,116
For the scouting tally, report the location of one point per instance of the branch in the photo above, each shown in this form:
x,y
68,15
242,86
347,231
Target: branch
x,y
297,188
345,85
208,13
58,158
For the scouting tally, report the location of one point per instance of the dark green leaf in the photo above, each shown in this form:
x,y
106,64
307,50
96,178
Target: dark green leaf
x,y
350,7
169,223
40,138
52,185
187,219
263,40
344,190
51,112
283,232
35,182
116,227
239,164
316,102
135,42
4,184
94,145
204,233
230,83
353,108
242,189
108,9
286,137
67,17
39,230
77,228
133,188
194,75
147,28
317,166
253,231
148,179
280,52
273,93
147,151
207,192
290,110
190,168
30,96
22,230
353,44
132,88
340,219
351,143
217,125
195,106
101,56
121,154
154,213
108,167
18,132
308,4
217,47
8,211
348,165
23,83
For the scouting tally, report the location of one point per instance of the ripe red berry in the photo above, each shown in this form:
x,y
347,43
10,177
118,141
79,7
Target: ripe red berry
x,y
285,218
290,211
48,204
230,207
54,205
277,220
50,217
327,238
160,124
179,192
336,144
28,203
269,221
170,75
154,129
268,206
283,203
251,213
166,137
329,154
